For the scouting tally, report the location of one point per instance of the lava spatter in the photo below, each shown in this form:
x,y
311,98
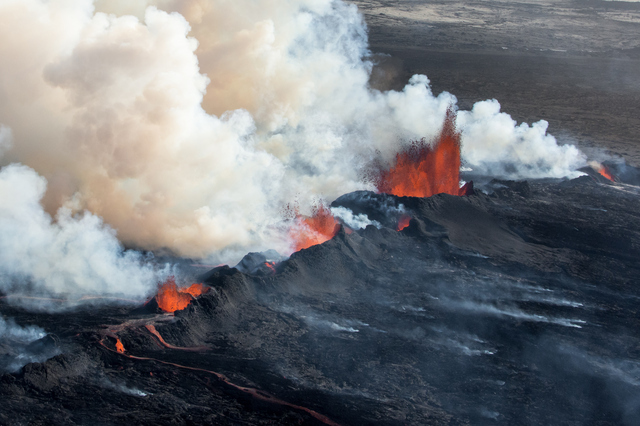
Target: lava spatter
x,y
311,230
170,298
423,169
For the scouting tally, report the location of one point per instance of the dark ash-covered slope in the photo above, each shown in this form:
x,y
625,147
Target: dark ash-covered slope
x,y
517,305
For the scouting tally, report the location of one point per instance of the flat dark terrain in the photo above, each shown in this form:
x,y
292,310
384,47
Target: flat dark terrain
x,y
575,64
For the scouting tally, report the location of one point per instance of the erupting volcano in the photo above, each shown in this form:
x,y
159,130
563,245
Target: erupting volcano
x,y
170,298
147,139
424,169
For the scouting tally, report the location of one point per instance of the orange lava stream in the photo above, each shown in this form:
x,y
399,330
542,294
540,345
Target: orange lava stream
x,y
316,229
423,170
256,393
152,329
170,298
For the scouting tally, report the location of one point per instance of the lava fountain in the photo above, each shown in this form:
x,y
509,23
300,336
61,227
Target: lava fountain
x,y
423,169
170,298
604,171
321,226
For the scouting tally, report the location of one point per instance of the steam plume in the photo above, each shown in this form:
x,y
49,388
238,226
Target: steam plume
x,y
190,124
72,257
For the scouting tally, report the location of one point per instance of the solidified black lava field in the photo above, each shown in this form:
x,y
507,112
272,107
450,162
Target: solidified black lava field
x,y
516,305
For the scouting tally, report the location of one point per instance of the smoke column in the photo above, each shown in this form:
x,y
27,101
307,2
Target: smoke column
x,y
189,125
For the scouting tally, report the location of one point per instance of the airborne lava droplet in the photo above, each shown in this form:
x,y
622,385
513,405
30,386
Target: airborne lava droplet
x,y
170,298
424,169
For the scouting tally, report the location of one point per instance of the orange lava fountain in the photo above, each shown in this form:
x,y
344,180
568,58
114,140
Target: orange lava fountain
x,y
119,346
316,229
170,298
403,222
606,173
423,170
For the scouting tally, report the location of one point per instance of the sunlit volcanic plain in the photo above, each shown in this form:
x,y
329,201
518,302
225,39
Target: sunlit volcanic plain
x,y
445,289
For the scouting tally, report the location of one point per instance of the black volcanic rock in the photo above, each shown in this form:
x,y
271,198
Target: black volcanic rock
x,y
514,307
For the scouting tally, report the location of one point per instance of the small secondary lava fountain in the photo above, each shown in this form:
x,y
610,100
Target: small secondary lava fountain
x,y
315,229
170,298
423,169
604,171
119,346
403,222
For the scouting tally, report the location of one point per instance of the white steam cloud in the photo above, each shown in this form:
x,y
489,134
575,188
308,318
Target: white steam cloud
x,y
353,221
493,143
191,124
70,258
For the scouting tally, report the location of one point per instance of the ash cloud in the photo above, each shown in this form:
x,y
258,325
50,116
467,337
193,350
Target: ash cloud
x,y
189,125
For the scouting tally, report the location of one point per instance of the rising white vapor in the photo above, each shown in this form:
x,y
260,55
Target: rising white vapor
x,y
71,258
191,124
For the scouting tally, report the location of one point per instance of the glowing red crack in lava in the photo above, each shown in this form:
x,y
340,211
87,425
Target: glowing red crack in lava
x,y
403,222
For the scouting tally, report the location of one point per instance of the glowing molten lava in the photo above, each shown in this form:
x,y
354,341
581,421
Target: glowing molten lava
x,y
271,266
423,170
403,222
170,298
119,346
316,229
606,173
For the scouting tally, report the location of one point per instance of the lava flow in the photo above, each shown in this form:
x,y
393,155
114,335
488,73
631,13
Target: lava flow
x,y
423,169
315,229
170,298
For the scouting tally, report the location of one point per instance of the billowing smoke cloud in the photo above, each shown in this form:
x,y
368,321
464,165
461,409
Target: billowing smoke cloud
x,y
71,259
190,124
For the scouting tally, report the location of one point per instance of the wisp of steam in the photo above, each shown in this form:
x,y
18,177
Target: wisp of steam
x,y
189,126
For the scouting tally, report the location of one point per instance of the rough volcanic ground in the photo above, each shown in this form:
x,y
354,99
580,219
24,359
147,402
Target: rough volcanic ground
x,y
575,64
517,305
